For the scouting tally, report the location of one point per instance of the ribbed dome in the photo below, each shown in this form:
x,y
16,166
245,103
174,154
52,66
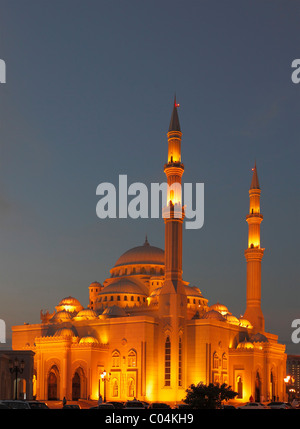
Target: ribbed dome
x,y
122,286
113,311
64,332
212,314
145,254
61,316
232,319
86,314
244,323
258,338
245,345
220,308
189,290
193,291
69,304
88,340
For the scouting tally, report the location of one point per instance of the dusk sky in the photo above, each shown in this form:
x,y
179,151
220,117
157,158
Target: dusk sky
x,y
88,96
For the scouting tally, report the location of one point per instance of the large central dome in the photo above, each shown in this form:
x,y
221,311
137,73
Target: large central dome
x,y
145,254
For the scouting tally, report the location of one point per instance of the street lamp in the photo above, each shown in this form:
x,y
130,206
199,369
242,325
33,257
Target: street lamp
x,y
17,368
105,377
289,383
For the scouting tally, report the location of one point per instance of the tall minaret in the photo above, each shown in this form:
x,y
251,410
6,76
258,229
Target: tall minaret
x,y
173,212
254,255
172,299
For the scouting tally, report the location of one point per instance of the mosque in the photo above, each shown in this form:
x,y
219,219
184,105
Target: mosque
x,y
148,334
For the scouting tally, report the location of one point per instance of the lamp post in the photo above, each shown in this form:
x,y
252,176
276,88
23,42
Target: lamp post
x,y
105,377
17,368
289,386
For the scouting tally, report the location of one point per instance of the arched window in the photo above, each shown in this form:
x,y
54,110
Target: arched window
x,y
215,361
180,362
224,361
132,358
115,388
168,362
115,359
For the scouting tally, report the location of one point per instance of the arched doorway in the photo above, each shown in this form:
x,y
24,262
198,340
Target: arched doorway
x,y
272,387
76,387
53,383
79,385
240,387
257,387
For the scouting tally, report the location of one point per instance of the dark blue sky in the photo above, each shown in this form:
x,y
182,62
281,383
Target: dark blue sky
x,y
89,93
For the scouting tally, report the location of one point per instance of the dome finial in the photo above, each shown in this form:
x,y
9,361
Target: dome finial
x,y
146,241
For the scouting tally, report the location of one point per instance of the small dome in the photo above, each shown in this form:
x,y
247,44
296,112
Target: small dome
x,y
193,291
142,255
232,319
122,286
113,311
61,316
245,345
95,284
88,340
258,338
86,314
69,304
244,323
213,314
220,308
64,332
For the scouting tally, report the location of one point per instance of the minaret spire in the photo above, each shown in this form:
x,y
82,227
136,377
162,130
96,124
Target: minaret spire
x,y
174,122
253,255
254,183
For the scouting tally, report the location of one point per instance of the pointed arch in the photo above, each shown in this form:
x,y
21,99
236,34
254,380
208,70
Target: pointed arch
x,y
168,361
132,358
115,356
53,383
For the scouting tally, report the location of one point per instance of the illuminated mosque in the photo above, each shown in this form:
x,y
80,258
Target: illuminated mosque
x,y
148,334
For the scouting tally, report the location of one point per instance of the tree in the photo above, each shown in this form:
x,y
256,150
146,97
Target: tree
x,y
208,396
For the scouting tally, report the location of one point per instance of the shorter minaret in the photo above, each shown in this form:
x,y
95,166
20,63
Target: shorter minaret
x,y
254,254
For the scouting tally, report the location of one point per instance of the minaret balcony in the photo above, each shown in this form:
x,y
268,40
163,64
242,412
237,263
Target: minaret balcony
x,y
254,218
176,164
